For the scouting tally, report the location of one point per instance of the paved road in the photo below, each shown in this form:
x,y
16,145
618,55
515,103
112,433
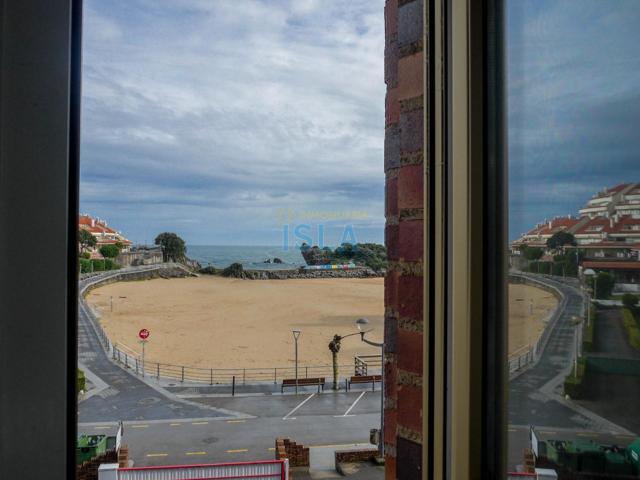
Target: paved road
x,y
534,399
613,396
125,396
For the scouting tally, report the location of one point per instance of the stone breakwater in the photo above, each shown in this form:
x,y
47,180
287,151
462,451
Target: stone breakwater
x,y
165,271
298,273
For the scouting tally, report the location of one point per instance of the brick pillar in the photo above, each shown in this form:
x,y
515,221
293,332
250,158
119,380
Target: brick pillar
x,y
403,164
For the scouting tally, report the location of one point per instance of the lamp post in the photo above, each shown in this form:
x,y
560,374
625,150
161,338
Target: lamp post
x,y
577,322
296,335
362,323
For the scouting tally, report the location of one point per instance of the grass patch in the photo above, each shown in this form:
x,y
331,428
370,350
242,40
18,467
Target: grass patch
x,y
80,381
574,384
633,328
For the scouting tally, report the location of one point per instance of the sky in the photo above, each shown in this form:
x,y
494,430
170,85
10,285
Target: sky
x,y
226,120
574,104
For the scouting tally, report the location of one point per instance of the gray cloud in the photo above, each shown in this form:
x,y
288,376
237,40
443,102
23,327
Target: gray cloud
x,y
212,115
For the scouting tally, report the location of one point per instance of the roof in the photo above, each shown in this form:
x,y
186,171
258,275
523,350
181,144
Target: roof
x,y
612,191
611,265
558,224
99,227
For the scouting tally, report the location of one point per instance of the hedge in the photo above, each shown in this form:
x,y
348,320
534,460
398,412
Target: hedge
x,y
574,386
632,327
85,265
80,381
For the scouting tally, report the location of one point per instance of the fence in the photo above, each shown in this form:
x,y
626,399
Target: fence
x,y
227,376
533,354
363,364
274,469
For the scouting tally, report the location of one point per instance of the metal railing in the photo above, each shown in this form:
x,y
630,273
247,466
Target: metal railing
x,y
223,376
533,353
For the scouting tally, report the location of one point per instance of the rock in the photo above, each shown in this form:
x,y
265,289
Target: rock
x,y
277,260
268,260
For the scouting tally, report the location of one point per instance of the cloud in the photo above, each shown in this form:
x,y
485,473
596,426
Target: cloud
x,y
573,73
195,109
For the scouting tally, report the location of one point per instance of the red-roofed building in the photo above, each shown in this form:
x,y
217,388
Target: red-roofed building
x,y
103,234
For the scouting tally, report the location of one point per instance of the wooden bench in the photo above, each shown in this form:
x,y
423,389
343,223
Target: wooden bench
x,y
357,379
303,382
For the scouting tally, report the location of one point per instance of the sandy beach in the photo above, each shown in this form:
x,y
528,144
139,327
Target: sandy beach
x,y
230,323
529,309
216,322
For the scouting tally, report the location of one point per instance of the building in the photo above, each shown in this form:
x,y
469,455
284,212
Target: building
x,y
103,234
608,227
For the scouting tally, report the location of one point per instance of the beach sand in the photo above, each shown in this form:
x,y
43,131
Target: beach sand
x,y
529,310
216,322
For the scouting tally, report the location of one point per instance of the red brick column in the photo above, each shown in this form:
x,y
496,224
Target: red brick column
x,y
404,171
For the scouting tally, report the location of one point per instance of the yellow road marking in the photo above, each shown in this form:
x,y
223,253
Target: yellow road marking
x,y
593,435
157,454
240,450
199,423
196,453
235,421
272,449
175,424
101,428
139,426
334,446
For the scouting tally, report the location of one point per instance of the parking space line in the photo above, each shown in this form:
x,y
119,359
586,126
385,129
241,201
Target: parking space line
x,y
546,432
175,424
626,437
199,423
157,454
101,428
236,421
239,450
139,426
288,415
346,414
272,449
196,453
592,435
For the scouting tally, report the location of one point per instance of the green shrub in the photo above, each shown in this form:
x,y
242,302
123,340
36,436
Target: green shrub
x,y
98,265
85,255
632,327
574,385
110,264
80,381
85,265
109,251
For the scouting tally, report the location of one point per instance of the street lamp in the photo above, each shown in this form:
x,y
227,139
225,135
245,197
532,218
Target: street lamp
x,y
296,335
362,324
576,322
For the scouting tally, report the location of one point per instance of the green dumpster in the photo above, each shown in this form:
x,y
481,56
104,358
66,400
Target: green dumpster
x,y
90,446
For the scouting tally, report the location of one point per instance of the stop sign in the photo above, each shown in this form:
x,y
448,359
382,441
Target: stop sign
x,y
143,334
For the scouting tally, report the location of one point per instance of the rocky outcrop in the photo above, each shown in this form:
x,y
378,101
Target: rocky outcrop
x,y
315,255
302,273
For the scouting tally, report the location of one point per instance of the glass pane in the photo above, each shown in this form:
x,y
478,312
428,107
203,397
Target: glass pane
x,y
574,213
232,165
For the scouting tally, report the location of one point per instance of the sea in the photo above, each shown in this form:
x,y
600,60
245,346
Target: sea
x,y
251,257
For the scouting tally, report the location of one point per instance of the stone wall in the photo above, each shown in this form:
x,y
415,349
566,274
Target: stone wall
x,y
404,172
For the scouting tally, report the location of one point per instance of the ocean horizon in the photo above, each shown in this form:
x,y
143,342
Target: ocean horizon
x,y
251,257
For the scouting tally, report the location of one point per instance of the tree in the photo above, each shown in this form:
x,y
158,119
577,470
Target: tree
x,y
109,251
173,247
532,253
86,240
560,239
602,285
630,301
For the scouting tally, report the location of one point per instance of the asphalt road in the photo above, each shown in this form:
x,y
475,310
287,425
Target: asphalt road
x,y
178,425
